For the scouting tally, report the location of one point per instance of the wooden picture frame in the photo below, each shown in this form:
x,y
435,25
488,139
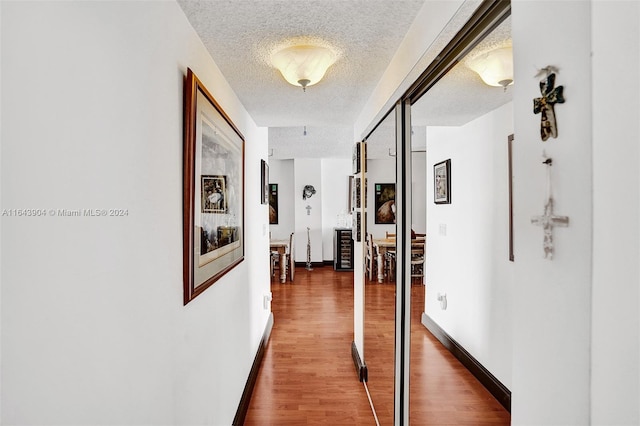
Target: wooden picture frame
x,y
273,204
384,195
442,182
264,182
213,179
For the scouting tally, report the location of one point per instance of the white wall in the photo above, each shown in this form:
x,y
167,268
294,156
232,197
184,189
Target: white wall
x,y
418,192
469,262
308,172
552,298
330,177
93,326
281,172
615,373
335,202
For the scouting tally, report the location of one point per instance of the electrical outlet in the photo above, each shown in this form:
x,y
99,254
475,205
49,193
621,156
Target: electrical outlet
x,y
442,298
443,229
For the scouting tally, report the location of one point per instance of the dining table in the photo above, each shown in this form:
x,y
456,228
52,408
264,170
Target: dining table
x,y
382,246
282,247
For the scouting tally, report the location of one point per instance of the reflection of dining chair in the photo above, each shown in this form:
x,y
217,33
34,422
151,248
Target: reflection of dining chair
x,y
371,261
417,262
390,265
275,262
390,235
292,260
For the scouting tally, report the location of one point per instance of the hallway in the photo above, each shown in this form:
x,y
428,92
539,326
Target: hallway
x,y
307,375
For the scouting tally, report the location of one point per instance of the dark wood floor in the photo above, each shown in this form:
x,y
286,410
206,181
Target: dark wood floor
x,y
307,376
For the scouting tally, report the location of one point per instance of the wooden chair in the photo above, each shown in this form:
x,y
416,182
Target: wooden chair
x,y
371,259
390,235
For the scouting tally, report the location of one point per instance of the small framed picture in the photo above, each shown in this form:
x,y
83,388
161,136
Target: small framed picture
x,y
442,182
264,181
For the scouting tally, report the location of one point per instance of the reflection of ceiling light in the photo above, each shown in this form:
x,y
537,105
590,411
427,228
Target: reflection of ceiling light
x,y
303,65
495,67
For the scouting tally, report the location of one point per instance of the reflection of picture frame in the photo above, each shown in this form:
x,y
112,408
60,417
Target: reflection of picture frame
x,y
442,182
213,206
384,202
264,182
273,204
214,194
357,227
351,194
355,159
357,154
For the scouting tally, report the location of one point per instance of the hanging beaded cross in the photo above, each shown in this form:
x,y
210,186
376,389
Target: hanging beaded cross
x,y
548,220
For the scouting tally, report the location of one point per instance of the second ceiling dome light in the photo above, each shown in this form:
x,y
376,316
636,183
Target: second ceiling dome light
x,y
303,65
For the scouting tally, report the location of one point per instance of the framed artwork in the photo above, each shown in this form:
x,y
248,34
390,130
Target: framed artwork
x,y
213,179
264,182
273,204
442,182
385,203
510,166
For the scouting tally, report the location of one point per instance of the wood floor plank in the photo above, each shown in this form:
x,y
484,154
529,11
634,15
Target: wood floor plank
x,y
307,376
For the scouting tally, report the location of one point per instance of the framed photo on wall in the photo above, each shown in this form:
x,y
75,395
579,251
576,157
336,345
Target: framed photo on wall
x,y
442,182
385,199
264,181
273,204
213,179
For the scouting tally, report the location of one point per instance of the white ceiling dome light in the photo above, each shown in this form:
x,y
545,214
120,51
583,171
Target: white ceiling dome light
x,y
303,65
495,67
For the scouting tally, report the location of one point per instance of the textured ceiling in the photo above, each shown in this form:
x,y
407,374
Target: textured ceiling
x,y
241,34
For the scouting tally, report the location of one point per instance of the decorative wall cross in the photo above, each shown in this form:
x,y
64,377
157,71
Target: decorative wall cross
x,y
308,210
548,220
550,96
